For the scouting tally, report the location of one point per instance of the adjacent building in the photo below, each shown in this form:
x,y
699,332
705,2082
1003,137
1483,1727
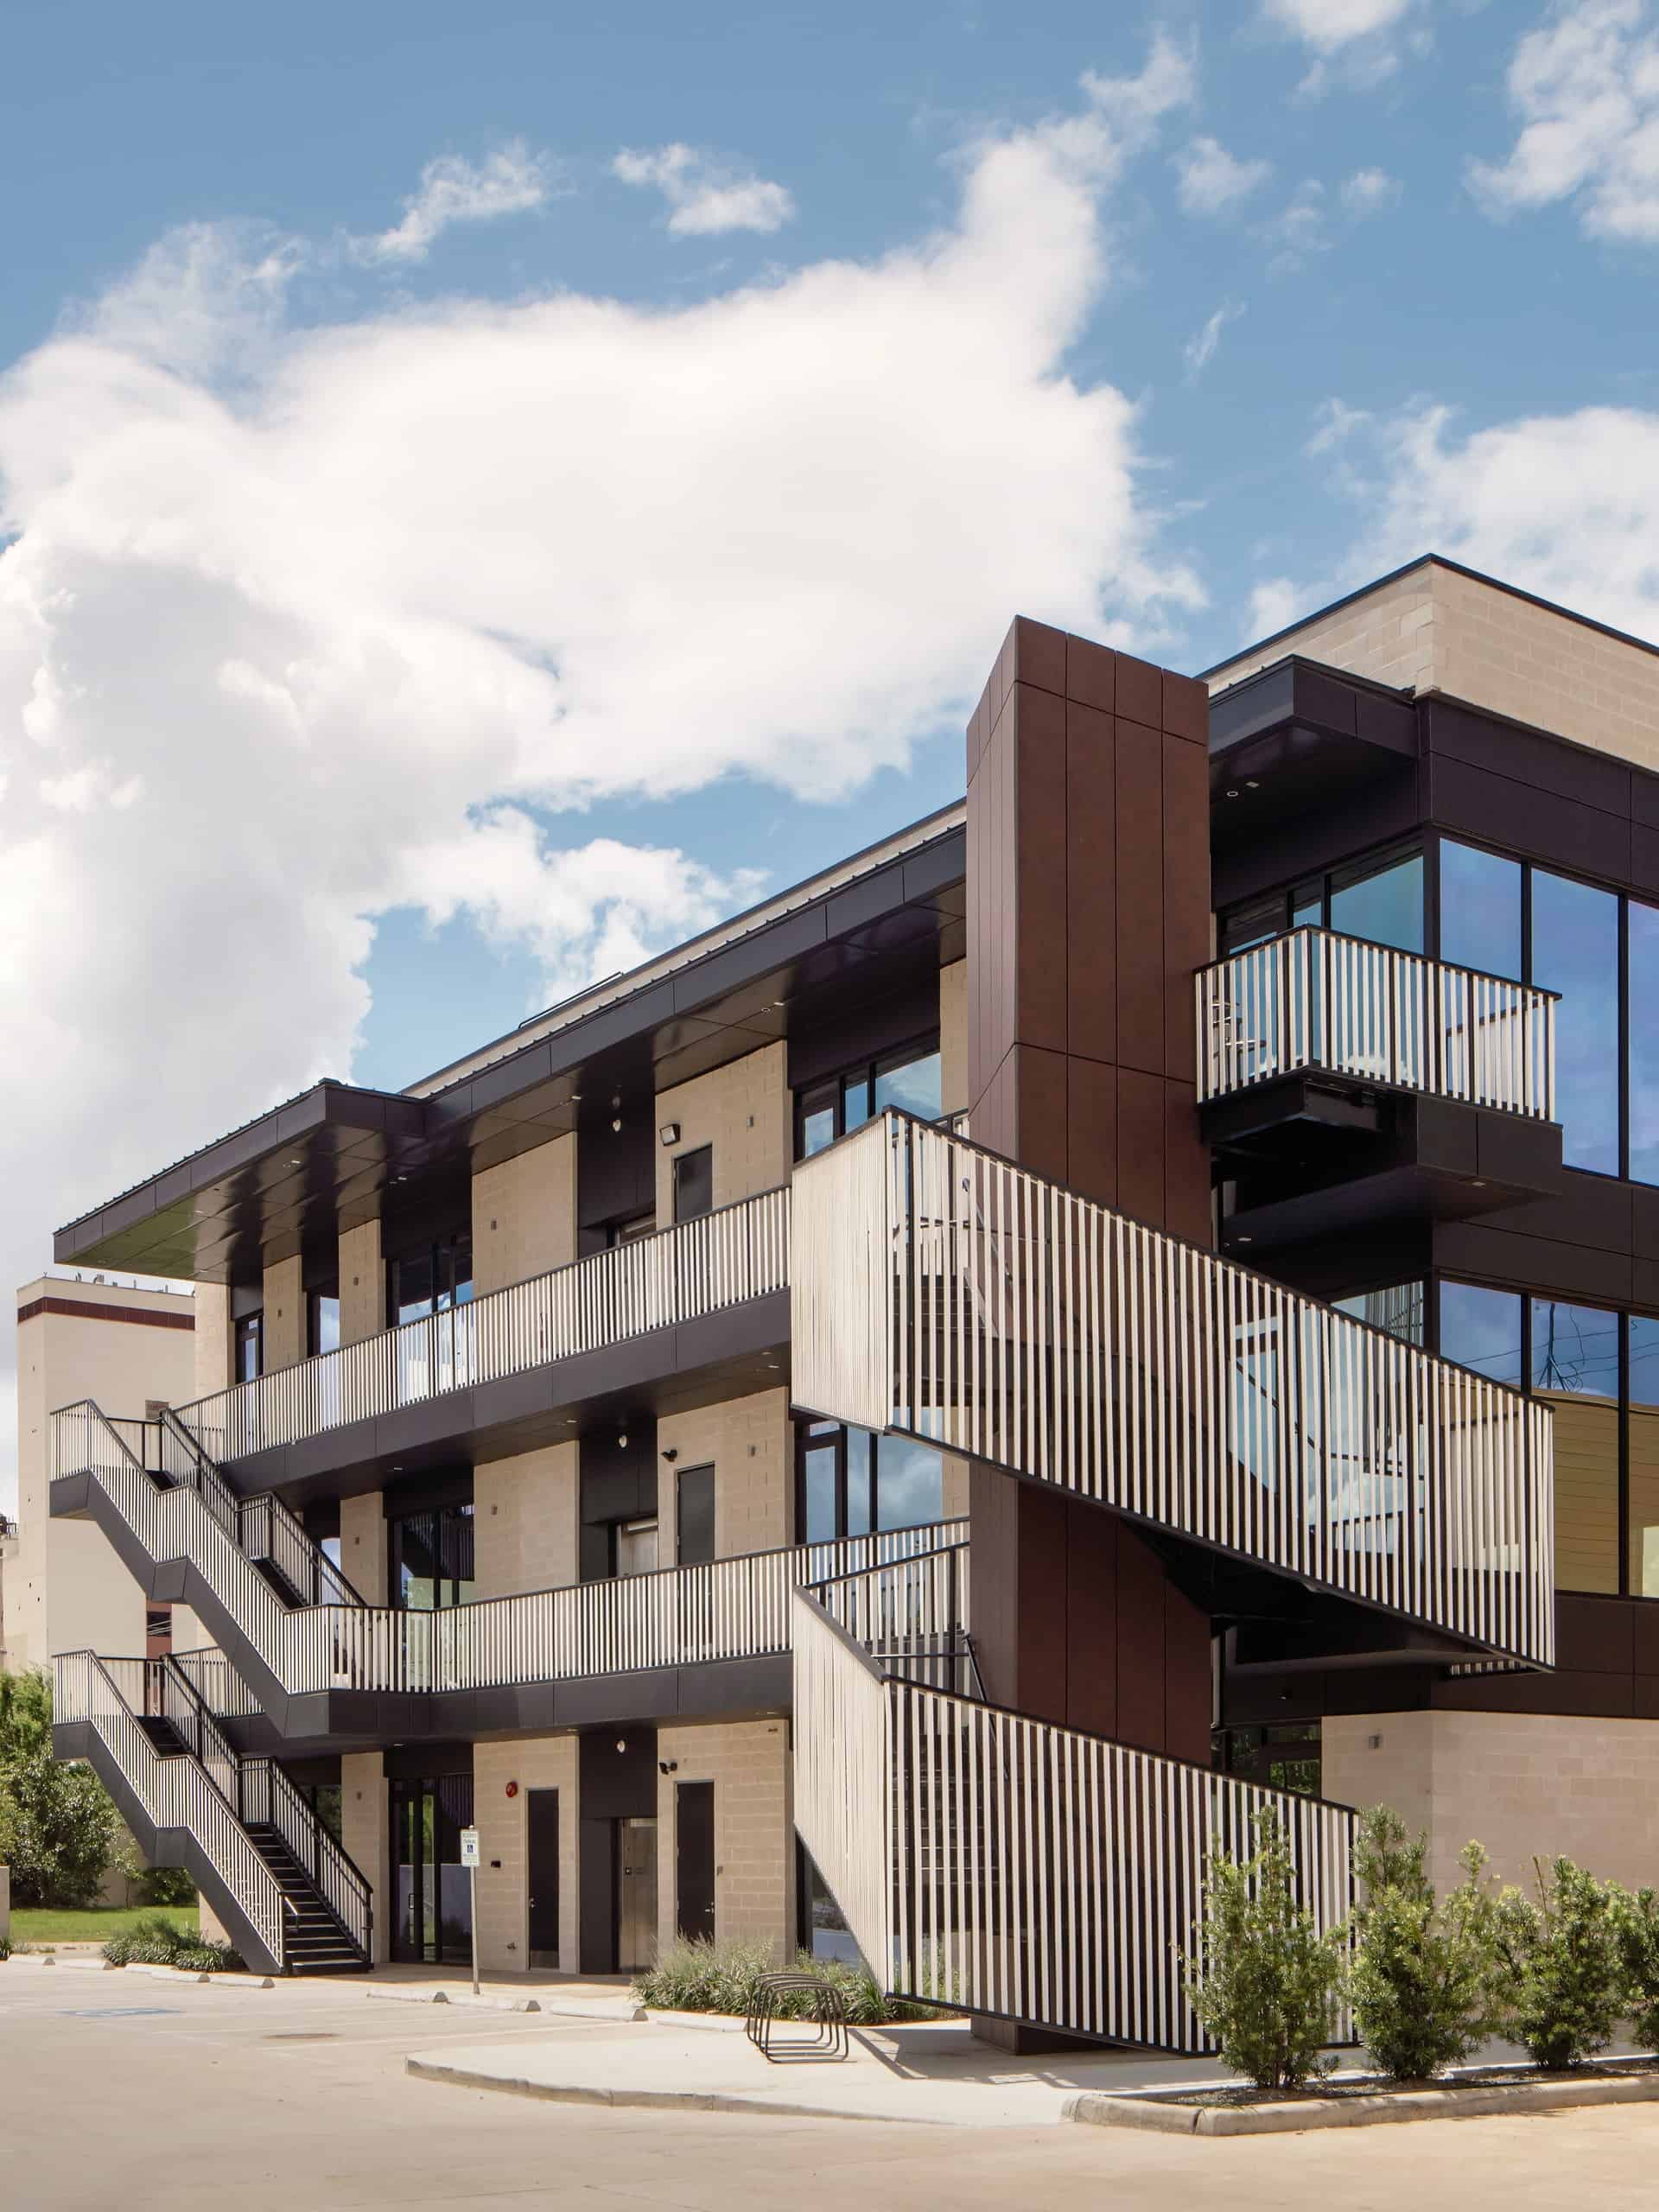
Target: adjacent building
x,y
899,1424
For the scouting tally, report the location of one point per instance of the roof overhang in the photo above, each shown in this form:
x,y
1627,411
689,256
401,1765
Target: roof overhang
x,y
291,1179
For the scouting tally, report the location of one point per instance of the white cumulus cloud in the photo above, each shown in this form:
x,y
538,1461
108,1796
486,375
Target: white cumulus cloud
x,y
705,194
1353,42
1368,191
1586,86
510,181
302,621
1211,180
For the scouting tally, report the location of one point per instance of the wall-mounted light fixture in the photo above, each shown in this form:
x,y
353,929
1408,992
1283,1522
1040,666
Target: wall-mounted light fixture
x,y
669,1133
671,1454
668,1766
621,1744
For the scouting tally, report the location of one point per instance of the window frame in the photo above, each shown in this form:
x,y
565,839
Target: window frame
x,y
927,1044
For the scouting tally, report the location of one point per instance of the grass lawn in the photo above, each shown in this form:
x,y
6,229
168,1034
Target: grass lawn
x,y
41,1924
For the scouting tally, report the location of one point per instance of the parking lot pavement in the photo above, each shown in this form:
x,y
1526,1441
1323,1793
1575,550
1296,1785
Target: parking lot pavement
x,y
120,2094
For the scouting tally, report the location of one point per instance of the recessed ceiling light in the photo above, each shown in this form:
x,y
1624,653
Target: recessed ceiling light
x,y
1232,794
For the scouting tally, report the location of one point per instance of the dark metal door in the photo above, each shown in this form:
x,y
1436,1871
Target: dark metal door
x,y
694,1858
542,1857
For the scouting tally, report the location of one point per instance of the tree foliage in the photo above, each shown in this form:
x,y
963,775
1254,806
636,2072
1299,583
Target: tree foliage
x,y
59,1832
1265,1979
1637,1920
1561,1978
1420,1976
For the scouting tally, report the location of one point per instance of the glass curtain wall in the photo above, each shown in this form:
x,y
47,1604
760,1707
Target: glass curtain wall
x,y
1512,919
910,1078
1574,1358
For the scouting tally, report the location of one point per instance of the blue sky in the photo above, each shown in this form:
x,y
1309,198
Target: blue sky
x,y
485,494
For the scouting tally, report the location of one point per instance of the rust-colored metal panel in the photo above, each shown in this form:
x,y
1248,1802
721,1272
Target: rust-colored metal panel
x,y
1090,953
1139,840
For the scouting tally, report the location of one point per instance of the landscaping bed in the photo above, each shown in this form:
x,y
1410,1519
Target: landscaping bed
x,y
1370,2100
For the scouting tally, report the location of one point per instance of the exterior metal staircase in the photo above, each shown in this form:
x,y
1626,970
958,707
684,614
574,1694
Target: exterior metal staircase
x,y
987,1858
291,1899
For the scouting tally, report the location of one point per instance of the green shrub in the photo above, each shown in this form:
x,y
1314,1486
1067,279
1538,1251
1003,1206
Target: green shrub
x,y
5,1947
1638,1921
154,1941
1420,1976
1561,1974
165,1885
1264,1980
705,1977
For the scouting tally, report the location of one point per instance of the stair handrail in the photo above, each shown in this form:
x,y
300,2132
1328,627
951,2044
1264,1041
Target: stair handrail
x,y
291,1543
184,1461
338,1879
343,1887
201,1808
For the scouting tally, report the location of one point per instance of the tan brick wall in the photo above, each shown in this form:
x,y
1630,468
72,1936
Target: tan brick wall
x,y
1433,629
749,1441
524,1215
534,1762
365,1824
66,1588
953,1038
284,1321
362,1546
1386,634
1522,1784
748,1762
362,1284
744,1110
212,1350
1542,667
524,1521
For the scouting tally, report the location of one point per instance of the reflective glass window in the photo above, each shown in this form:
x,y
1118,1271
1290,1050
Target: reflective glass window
x,y
1481,1329
1575,951
1397,1311
1480,910
913,1083
1385,907
1644,1455
1642,1018
910,1484
1575,1369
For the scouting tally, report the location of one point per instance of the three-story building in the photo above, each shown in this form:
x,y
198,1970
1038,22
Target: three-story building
x,y
900,1423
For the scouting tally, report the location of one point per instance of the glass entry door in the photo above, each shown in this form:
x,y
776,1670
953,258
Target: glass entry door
x,y
434,1926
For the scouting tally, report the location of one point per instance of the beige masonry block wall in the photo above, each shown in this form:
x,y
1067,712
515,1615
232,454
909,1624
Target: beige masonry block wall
x,y
953,1038
524,1215
1524,1785
366,1832
748,1762
749,1441
212,1303
362,1546
1386,634
534,1762
67,1587
525,1520
284,1321
362,1284
1434,629
744,1110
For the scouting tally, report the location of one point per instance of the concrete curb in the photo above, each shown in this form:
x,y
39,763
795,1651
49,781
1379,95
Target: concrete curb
x,y
1389,2108
407,1996
486,2003
722,2023
463,2078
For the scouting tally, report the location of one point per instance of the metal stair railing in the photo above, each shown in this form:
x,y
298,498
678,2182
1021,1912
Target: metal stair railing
x,y
733,1608
175,1790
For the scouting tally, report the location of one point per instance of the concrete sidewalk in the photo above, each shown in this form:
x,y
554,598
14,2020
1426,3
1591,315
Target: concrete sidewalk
x,y
932,2075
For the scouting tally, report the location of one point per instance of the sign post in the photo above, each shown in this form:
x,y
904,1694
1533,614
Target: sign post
x,y
469,1860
